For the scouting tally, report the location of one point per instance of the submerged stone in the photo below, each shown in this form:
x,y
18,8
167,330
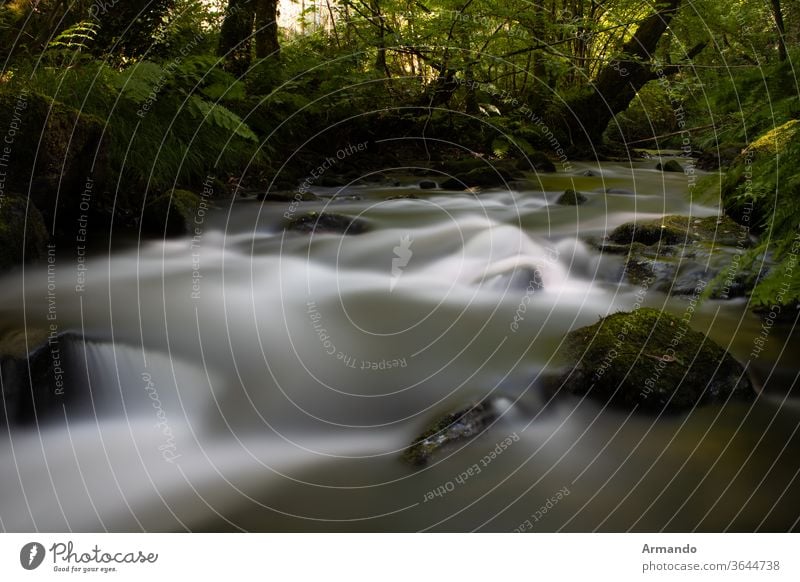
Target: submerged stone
x,y
327,222
651,361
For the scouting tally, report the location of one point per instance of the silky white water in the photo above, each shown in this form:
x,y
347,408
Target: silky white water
x,y
251,378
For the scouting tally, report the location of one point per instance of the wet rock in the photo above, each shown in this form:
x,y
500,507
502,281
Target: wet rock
x,y
403,196
652,362
171,214
484,177
540,162
647,233
670,166
332,181
35,375
16,237
722,157
673,230
428,185
326,222
520,278
450,429
571,198
56,149
453,184
284,196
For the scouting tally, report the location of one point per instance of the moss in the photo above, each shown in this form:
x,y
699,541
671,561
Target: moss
x,y
775,140
762,192
449,429
647,233
673,229
571,198
651,361
55,149
670,166
16,235
17,344
171,214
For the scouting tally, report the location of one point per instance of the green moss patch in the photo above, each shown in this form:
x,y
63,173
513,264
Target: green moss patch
x,y
651,361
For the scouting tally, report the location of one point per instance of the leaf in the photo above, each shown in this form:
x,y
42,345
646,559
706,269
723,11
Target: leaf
x,y
219,116
137,83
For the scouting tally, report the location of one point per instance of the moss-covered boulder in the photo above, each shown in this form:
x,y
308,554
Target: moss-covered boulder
x,y
651,361
450,429
52,152
174,213
760,188
327,222
540,162
670,166
673,230
761,191
571,198
21,229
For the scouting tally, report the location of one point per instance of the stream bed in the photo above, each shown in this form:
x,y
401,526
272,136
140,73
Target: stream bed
x,y
248,378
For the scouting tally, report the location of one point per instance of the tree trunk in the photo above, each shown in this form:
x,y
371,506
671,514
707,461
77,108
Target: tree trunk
x,y
236,34
778,14
586,117
267,44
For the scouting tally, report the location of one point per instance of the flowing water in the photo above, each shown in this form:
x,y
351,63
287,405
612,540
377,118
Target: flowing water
x,y
249,378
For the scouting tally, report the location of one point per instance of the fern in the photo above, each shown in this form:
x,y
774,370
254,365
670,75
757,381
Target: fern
x,y
76,37
219,116
137,82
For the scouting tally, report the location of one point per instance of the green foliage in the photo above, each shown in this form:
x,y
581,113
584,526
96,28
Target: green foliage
x,y
79,36
166,123
650,114
762,190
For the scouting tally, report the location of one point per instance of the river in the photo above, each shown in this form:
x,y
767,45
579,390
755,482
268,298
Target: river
x,y
246,378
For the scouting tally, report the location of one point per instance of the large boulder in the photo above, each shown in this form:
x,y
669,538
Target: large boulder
x,y
650,361
762,184
56,153
21,229
39,375
673,230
